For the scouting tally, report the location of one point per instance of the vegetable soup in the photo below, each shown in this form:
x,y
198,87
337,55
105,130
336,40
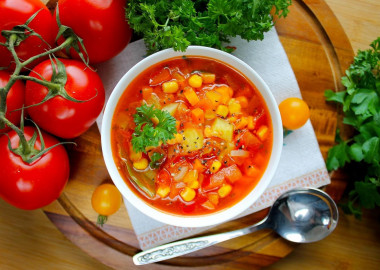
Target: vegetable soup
x,y
191,136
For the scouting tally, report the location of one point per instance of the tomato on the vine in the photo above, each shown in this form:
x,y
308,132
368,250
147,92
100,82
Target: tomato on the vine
x,y
106,200
15,100
103,27
17,12
34,185
294,112
59,116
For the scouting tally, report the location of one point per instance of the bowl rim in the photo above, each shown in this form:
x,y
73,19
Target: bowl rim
x,y
207,219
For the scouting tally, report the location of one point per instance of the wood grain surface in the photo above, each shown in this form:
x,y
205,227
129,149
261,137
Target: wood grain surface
x,y
29,241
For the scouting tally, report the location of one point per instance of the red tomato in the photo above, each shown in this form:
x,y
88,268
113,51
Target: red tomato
x,y
59,116
103,27
16,12
15,100
35,185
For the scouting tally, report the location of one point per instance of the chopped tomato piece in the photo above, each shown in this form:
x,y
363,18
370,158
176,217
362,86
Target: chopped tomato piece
x,y
232,173
163,76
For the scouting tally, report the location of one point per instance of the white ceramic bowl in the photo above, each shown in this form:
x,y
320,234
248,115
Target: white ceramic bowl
x,y
203,220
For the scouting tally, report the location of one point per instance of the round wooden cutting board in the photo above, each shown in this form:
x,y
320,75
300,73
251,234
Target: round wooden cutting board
x,y
319,53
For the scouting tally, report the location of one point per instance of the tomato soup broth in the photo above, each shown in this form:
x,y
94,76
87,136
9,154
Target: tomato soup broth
x,y
223,142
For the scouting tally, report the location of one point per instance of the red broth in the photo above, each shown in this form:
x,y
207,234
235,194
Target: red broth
x,y
224,138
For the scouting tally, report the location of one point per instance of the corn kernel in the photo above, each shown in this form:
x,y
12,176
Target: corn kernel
x,y
210,114
191,176
232,119
234,107
195,81
215,166
222,110
187,194
141,164
170,87
193,184
262,133
163,191
225,190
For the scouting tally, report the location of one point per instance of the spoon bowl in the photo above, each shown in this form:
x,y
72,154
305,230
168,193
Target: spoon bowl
x,y
301,215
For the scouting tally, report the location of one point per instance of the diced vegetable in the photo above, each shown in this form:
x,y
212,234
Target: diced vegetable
x,y
191,176
191,96
213,198
163,191
241,123
197,165
208,77
146,92
225,92
141,164
232,173
251,122
145,181
187,194
195,81
163,76
171,108
222,110
225,190
243,101
234,107
215,166
170,87
262,132
198,116
193,139
239,153
193,184
208,205
222,129
215,97
210,114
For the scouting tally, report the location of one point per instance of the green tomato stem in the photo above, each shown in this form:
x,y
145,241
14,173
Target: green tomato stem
x,y
24,143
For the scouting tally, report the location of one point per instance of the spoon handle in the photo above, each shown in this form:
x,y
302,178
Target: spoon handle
x,y
186,246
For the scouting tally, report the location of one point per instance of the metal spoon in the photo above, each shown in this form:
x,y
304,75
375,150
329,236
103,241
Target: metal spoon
x,y
302,215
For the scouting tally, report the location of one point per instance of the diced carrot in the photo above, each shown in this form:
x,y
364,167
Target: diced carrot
x,y
241,123
208,205
191,96
251,170
243,101
197,165
232,173
226,93
191,176
163,76
198,115
210,114
205,104
251,122
213,198
146,92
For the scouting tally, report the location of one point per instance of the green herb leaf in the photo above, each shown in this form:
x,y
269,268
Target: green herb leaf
x,y
149,134
155,160
361,106
179,23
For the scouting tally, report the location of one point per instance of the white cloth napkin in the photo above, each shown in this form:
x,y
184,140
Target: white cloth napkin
x,y
301,162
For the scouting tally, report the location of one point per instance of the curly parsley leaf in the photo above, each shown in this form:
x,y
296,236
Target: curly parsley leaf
x,y
155,160
361,106
153,126
180,23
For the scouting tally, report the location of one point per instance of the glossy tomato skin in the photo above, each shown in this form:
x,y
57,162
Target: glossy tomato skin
x,y
106,199
15,99
35,185
103,27
59,116
16,12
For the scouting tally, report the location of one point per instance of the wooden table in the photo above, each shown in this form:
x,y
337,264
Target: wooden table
x,y
29,240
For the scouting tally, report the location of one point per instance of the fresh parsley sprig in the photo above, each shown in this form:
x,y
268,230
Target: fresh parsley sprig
x,y
180,23
153,126
361,106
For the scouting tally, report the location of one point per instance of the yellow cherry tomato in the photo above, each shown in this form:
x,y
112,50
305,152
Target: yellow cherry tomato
x,y
294,112
106,200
